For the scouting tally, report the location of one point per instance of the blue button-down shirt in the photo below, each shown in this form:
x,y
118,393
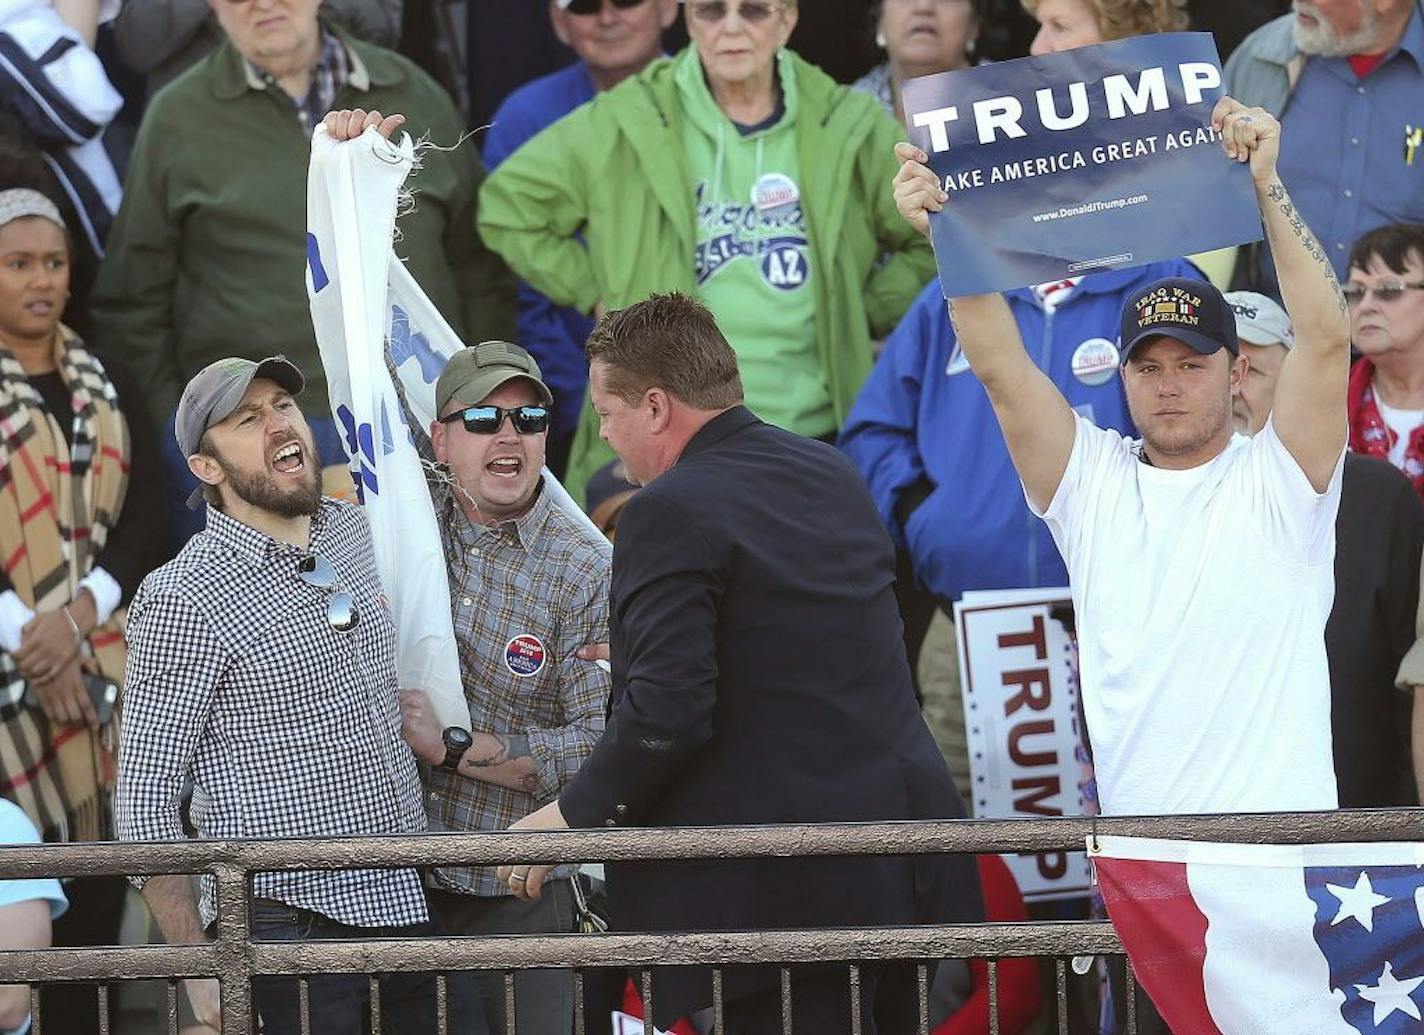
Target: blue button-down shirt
x,y
1345,155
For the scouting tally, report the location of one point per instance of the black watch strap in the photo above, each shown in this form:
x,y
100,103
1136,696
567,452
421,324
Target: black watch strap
x,y
457,742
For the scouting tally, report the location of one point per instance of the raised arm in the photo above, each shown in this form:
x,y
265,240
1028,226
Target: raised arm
x,y
1309,409
1037,422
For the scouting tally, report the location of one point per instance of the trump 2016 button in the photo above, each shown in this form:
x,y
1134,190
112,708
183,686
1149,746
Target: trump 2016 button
x,y
525,655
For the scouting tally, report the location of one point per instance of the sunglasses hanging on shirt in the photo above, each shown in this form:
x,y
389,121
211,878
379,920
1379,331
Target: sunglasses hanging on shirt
x,y
341,614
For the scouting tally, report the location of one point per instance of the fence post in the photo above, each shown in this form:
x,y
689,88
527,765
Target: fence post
x,y
234,959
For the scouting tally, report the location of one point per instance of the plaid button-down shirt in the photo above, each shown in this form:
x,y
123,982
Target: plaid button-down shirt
x,y
287,727
525,595
333,68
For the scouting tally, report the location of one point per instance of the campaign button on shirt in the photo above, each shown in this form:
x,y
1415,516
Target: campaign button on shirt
x,y
525,655
775,193
1095,361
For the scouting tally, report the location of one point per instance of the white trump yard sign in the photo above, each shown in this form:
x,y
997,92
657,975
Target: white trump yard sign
x,y
1019,678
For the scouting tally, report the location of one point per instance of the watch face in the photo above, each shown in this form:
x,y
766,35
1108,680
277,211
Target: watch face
x,y
457,739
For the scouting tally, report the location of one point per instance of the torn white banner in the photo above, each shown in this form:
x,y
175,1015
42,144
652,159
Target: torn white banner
x,y
361,295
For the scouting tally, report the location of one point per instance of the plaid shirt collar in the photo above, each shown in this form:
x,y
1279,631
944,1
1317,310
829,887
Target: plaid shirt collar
x,y
525,529
255,546
336,66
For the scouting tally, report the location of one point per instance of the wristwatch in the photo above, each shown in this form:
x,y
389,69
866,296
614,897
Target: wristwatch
x,y
457,742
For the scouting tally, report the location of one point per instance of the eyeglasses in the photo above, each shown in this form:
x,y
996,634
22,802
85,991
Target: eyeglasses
x,y
486,420
753,12
341,614
1355,293
596,6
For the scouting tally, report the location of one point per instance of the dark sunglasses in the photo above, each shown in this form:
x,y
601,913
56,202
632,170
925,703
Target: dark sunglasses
x,y
753,12
596,6
486,420
1355,293
341,614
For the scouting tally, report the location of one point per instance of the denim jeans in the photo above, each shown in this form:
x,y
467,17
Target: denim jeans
x,y
340,1004
543,999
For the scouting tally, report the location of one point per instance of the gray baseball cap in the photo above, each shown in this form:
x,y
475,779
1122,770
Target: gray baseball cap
x,y
477,370
216,390
1260,320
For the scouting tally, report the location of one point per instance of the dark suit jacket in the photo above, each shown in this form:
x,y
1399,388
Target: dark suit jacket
x,y
759,676
1378,538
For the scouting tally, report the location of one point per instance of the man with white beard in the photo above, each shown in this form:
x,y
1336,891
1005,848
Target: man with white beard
x,y
1345,78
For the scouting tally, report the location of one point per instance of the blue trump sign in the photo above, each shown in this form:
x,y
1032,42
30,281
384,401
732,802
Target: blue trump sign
x,y
1096,158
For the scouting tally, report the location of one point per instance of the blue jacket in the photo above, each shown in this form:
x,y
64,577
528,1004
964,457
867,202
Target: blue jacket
x,y
553,334
923,424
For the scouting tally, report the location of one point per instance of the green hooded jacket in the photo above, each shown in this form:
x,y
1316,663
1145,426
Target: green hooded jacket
x,y
614,172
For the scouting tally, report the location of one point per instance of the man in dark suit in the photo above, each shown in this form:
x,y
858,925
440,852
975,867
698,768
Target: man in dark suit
x,y
759,676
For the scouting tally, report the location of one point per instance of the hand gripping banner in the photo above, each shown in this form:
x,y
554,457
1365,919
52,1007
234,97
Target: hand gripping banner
x,y
361,297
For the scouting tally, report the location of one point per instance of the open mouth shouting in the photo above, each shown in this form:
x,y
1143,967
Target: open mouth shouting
x,y
505,467
290,459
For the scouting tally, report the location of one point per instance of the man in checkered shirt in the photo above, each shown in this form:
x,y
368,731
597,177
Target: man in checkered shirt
x,y
528,587
261,664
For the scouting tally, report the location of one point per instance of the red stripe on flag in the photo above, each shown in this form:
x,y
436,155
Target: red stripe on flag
x,y
1164,933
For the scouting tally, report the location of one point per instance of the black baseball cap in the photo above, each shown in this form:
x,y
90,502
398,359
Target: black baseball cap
x,y
1191,311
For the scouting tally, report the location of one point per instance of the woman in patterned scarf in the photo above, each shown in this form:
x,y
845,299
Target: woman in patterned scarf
x,y
79,528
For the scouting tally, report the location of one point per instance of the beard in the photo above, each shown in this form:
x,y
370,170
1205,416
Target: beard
x,y
259,489
1186,439
1322,40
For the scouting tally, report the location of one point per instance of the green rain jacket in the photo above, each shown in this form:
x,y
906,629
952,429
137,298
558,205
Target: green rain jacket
x,y
614,173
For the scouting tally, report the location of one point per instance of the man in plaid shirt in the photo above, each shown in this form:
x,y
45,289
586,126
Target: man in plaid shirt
x,y
528,587
261,665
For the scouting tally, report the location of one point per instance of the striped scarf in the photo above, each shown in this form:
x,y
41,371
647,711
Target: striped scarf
x,y
58,503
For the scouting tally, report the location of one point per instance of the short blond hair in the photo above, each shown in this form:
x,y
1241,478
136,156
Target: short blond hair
x,y
1120,19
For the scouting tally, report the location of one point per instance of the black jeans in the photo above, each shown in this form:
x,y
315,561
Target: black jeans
x,y
340,1004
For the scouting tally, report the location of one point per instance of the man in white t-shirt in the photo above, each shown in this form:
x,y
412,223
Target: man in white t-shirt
x,y
1200,561
1386,296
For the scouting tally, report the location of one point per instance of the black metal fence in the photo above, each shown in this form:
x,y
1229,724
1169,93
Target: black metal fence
x,y
234,958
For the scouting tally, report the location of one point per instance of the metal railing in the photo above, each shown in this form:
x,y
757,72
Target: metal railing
x,y
235,959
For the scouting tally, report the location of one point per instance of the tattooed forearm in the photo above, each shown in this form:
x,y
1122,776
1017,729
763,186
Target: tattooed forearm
x,y
1276,192
501,748
504,759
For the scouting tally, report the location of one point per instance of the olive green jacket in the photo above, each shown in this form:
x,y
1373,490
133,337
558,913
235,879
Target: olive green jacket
x,y
208,255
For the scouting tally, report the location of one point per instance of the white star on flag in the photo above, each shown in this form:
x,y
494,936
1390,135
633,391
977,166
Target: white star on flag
x,y
1358,902
1391,994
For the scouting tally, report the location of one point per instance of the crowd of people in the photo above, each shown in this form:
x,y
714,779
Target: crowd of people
x,y
678,262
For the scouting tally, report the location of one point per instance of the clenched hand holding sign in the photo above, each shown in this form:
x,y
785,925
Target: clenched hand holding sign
x,y
1096,158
